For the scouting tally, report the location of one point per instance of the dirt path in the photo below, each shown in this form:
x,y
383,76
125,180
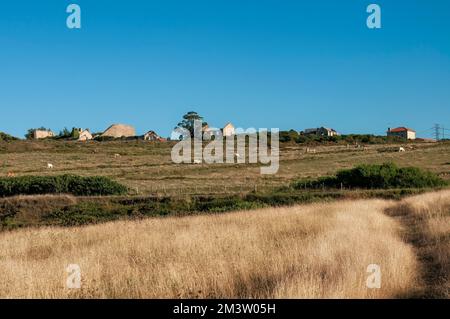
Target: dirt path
x,y
429,249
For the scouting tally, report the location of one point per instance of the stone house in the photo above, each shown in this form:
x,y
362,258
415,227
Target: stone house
x,y
42,134
402,132
153,136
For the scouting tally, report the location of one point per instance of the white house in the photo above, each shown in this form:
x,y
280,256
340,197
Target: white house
x,y
321,131
153,136
403,132
84,135
42,134
229,130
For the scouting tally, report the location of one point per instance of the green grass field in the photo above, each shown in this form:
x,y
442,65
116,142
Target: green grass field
x,y
157,187
146,167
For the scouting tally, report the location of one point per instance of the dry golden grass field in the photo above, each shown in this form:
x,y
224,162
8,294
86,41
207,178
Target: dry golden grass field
x,y
427,226
310,251
319,250
146,167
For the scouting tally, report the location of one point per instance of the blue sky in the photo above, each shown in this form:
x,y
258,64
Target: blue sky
x,y
256,63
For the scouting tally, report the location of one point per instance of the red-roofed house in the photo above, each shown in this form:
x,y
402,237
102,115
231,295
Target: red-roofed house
x,y
403,132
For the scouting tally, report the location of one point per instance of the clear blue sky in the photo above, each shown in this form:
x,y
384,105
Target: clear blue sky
x,y
256,63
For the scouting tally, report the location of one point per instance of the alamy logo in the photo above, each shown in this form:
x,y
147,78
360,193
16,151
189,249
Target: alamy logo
x,y
230,149
74,19
374,19
374,279
74,278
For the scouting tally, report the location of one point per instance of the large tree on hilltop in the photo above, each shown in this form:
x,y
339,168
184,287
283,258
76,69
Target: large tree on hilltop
x,y
188,121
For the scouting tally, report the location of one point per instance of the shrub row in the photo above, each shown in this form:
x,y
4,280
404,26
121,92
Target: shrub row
x,y
7,138
62,184
60,211
134,208
294,136
385,176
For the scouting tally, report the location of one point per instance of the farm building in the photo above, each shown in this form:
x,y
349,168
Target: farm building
x,y
227,130
85,135
403,132
119,130
41,134
321,131
208,132
153,136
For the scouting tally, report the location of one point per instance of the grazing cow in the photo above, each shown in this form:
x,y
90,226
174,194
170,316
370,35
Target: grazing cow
x,y
11,174
310,150
50,166
116,155
197,161
401,150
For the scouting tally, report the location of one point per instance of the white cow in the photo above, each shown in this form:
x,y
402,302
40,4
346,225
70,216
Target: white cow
x,y
401,150
50,166
197,161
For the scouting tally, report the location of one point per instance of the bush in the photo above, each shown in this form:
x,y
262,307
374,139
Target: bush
x,y
62,184
383,176
286,136
7,138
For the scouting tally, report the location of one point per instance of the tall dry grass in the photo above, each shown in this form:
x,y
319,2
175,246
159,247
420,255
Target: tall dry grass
x,y
427,220
314,251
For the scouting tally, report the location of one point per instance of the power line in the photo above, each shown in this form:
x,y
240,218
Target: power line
x,y
440,132
437,132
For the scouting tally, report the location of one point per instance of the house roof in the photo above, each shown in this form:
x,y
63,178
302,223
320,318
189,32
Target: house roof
x,y
119,130
401,129
310,130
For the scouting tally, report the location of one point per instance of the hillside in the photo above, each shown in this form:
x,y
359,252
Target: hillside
x,y
147,169
7,138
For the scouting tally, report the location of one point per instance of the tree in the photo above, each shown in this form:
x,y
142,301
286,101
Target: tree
x,y
188,122
65,133
7,138
75,134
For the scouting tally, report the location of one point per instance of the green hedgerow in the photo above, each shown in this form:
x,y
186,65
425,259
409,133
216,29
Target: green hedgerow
x,y
62,184
373,176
